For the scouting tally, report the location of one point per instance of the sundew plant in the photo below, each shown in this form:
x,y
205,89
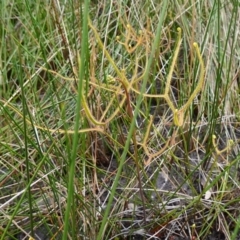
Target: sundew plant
x,y
119,119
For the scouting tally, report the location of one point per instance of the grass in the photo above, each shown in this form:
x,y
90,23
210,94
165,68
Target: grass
x,y
119,120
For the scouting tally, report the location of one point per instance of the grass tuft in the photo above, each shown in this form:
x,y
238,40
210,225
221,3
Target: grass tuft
x,y
119,120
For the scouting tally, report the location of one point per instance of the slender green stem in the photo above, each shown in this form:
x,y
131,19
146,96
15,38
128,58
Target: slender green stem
x,y
82,69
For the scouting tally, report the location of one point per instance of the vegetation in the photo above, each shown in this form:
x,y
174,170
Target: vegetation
x,y
119,119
